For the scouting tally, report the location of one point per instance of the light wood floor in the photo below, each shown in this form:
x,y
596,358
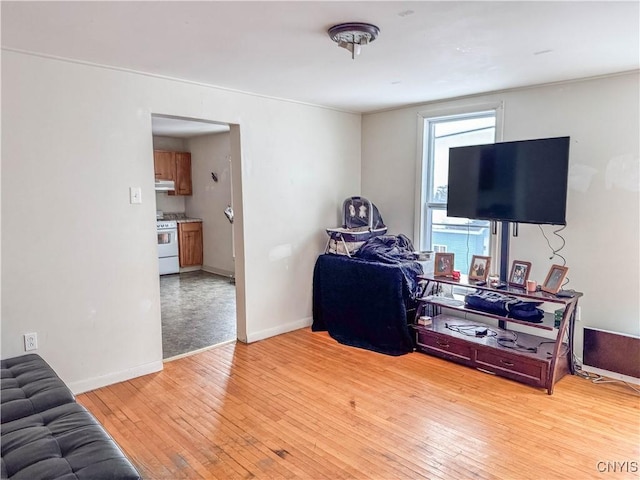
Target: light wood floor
x,y
301,405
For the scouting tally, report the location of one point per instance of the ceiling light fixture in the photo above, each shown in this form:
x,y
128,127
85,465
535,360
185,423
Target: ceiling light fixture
x,y
353,35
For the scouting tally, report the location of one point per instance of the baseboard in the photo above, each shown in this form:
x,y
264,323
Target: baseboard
x,y
117,377
190,269
195,352
611,375
279,330
218,271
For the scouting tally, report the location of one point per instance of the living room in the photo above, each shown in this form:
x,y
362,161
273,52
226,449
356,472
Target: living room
x,y
76,263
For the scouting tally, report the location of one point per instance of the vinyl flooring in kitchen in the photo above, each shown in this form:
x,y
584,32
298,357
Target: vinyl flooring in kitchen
x,y
198,310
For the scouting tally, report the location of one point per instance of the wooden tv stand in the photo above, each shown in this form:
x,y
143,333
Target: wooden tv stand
x,y
530,359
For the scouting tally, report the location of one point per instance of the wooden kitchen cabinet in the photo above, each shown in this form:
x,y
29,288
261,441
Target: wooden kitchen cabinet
x,y
174,166
183,173
190,243
164,165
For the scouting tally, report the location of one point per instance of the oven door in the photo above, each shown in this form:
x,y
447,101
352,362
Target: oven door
x,y
167,242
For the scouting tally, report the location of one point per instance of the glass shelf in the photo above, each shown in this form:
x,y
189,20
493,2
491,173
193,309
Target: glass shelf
x,y
457,304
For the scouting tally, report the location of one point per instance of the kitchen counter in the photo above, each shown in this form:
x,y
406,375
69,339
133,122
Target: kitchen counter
x,y
180,218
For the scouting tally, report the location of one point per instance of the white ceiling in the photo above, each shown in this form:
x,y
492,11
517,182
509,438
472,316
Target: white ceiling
x,y
426,50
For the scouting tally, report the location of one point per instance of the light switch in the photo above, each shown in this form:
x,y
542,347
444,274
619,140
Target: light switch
x,y
135,195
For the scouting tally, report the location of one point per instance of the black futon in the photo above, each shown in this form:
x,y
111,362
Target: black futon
x,y
46,434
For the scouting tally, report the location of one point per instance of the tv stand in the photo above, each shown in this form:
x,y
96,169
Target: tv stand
x,y
530,359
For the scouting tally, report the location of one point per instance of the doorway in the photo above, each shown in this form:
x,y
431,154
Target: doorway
x,y
198,310
198,304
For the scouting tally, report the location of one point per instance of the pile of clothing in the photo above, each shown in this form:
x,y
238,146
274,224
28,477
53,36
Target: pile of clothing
x,y
395,250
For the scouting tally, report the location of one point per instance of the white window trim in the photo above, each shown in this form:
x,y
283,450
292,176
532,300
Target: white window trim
x,y
437,112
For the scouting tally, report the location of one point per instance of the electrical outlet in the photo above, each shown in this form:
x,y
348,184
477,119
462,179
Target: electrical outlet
x,y
30,341
578,314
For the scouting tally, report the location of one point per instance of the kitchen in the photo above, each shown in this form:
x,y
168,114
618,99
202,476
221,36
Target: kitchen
x,y
195,234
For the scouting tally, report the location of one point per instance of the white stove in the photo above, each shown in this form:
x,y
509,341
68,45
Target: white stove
x,y
168,246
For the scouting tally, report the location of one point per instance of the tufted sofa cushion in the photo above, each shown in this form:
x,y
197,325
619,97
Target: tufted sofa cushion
x,y
29,385
65,442
45,434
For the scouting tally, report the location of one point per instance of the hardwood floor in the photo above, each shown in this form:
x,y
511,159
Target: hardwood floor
x,y
300,405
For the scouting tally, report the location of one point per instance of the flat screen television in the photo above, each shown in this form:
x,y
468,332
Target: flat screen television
x,y
521,182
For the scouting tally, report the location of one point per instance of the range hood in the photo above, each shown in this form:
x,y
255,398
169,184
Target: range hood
x,y
165,185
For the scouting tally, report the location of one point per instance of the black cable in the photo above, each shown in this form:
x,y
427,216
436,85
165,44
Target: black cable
x,y
464,330
554,251
513,344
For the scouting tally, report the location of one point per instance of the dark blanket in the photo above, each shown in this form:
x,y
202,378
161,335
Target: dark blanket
x,y
395,250
361,303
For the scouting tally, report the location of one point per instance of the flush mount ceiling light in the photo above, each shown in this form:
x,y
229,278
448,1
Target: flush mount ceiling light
x,y
353,35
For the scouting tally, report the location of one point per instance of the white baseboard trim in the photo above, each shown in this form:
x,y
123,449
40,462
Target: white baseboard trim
x,y
117,377
218,271
195,352
190,269
279,330
612,375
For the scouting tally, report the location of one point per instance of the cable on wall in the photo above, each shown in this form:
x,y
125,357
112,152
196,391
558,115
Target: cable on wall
x,y
554,251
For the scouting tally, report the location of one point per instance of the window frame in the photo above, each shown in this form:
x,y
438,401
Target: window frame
x,y
424,169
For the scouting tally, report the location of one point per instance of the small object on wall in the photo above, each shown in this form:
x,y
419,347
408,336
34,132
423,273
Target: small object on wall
x,y
135,195
229,213
30,341
214,177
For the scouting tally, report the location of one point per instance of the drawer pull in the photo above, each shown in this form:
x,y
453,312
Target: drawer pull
x,y
443,345
506,363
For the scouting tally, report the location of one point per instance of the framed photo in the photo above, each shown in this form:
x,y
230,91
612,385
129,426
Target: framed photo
x,y
443,264
479,268
554,279
519,273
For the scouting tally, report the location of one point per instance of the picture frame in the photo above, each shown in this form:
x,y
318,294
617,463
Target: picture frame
x,y
555,277
479,268
519,273
443,265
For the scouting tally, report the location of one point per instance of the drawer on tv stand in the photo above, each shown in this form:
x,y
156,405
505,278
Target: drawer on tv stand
x,y
516,367
445,346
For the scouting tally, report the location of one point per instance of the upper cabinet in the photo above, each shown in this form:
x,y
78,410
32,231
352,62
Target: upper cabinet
x,y
164,165
183,173
174,166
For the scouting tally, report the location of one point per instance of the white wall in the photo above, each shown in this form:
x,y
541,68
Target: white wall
x,y
601,116
212,153
170,203
171,144
79,262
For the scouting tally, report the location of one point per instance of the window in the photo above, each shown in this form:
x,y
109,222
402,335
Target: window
x,y
463,237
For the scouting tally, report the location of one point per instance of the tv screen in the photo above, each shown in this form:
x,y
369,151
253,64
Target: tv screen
x,y
523,182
